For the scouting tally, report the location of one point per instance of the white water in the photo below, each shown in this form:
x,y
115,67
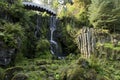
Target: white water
x,y
52,29
54,45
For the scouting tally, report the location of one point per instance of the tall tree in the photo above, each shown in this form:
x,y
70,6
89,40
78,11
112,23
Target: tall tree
x,y
105,13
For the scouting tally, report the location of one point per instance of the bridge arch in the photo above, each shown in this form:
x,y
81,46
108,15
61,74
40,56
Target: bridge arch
x,y
39,7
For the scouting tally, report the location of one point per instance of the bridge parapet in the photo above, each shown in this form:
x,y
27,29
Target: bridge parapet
x,y
45,3
39,5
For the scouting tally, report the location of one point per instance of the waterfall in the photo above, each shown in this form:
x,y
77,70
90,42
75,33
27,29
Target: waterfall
x,y
55,48
54,44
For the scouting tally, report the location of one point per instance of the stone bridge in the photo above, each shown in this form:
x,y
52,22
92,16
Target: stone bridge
x,y
39,5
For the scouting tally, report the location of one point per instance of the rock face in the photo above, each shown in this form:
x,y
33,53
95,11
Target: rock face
x,y
100,42
6,54
86,41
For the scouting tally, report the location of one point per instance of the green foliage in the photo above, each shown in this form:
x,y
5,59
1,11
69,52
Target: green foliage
x,y
77,10
36,75
92,69
73,17
105,68
104,14
16,22
3,6
55,4
15,29
76,70
42,49
19,58
111,46
10,32
42,44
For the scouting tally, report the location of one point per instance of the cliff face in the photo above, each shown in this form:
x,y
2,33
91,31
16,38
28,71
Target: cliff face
x,y
87,41
98,42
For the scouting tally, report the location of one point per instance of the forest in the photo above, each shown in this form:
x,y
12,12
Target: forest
x,y
60,40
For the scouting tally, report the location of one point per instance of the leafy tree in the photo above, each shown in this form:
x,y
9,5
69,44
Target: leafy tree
x,y
104,13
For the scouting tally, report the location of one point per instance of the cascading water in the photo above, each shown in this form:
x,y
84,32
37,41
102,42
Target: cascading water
x,y
55,48
54,44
